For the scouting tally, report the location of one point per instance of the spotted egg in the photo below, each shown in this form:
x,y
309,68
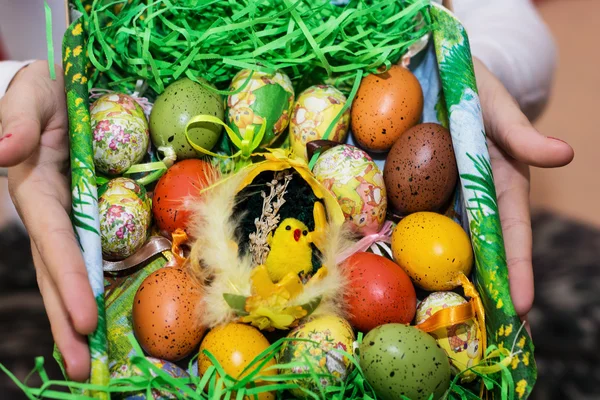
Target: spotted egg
x,y
401,360
385,106
124,210
462,342
130,370
357,183
433,250
166,314
323,339
379,292
120,133
235,346
420,170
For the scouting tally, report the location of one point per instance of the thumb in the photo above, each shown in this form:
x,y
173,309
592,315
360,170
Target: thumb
x,y
510,129
22,117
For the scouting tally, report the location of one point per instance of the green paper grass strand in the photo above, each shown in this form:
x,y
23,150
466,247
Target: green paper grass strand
x,y
49,42
160,41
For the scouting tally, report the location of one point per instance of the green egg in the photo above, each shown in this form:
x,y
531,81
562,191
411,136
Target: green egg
x,y
173,109
401,360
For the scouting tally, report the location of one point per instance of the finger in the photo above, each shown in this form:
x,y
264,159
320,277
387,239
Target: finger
x,y
512,131
50,229
72,345
25,113
513,205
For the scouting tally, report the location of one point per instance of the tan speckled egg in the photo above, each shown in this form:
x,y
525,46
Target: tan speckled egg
x,y
420,170
385,106
165,314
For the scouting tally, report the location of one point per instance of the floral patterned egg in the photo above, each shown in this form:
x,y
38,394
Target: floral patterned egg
x,y
314,111
128,370
357,183
120,131
266,98
124,218
333,334
461,341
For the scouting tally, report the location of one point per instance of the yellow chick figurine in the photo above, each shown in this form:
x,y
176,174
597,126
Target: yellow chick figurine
x,y
290,250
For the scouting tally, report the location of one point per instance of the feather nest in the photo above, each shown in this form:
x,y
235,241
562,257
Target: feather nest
x,y
214,256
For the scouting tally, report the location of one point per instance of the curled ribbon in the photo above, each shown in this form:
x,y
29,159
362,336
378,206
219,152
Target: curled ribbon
x,y
246,145
384,235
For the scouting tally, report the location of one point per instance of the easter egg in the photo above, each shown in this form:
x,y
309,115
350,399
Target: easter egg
x,y
315,110
329,334
264,99
385,106
235,346
401,360
124,210
166,312
357,183
130,370
461,341
173,109
379,292
433,250
420,170
120,133
182,182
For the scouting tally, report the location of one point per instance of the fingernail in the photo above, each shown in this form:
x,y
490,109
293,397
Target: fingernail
x,y
553,138
8,135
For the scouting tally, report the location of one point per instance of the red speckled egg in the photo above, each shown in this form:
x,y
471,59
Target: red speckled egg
x,y
166,311
385,106
420,171
185,178
380,292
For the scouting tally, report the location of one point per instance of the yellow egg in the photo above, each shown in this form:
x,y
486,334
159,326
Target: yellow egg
x,y
332,334
433,250
235,346
462,342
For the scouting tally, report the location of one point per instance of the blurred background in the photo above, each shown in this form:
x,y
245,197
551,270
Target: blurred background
x,y
565,319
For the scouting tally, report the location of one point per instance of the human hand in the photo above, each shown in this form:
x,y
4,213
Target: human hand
x,y
34,145
514,145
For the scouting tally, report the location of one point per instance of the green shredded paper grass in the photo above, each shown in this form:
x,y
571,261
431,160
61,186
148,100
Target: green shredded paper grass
x,y
217,384
313,41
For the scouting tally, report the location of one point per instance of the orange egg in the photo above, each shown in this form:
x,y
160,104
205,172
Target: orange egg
x,y
165,314
385,106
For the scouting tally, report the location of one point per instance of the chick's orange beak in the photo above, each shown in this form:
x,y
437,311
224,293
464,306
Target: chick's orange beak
x,y
297,234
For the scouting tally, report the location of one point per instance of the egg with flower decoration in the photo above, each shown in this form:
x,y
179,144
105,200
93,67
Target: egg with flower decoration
x,y
316,109
261,98
462,341
355,180
131,370
125,217
325,339
120,133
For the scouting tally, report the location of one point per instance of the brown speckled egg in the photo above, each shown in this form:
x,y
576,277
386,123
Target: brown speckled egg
x,y
385,106
165,314
420,170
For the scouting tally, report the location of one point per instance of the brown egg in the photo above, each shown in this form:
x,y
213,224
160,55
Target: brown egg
x,y
420,170
385,106
165,314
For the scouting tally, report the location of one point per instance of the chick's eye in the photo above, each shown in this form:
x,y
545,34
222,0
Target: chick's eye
x,y
288,228
305,233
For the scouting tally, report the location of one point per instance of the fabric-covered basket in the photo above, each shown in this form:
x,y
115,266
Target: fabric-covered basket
x,y
442,62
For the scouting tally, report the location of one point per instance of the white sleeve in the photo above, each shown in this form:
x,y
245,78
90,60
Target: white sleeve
x,y
8,70
513,42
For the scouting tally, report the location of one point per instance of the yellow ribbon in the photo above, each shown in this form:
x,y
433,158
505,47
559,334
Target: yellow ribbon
x,y
448,317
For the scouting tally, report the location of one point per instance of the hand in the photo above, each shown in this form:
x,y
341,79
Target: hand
x,y
514,145
34,145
